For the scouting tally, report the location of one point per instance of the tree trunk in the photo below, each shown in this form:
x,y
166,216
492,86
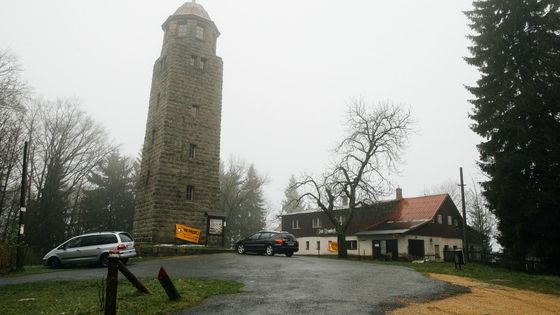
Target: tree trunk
x,y
341,238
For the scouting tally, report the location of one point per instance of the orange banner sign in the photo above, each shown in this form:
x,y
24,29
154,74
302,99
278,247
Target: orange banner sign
x,y
333,246
187,233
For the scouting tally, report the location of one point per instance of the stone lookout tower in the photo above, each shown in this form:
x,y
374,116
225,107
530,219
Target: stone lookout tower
x,y
180,159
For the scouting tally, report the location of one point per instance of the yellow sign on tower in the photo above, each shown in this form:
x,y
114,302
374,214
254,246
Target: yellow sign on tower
x,y
187,233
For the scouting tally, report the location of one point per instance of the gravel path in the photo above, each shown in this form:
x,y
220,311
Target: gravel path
x,y
282,285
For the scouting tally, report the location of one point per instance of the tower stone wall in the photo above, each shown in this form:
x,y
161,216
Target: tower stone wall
x,y
179,172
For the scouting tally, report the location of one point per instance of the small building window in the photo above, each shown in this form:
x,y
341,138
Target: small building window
x,y
449,220
455,222
439,219
199,33
192,151
202,64
318,245
182,30
295,224
190,193
316,223
306,245
192,61
194,112
352,245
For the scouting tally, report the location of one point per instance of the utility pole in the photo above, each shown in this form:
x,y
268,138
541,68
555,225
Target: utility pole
x,y
22,210
465,242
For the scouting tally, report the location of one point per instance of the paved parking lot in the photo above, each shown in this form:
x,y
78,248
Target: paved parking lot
x,y
282,285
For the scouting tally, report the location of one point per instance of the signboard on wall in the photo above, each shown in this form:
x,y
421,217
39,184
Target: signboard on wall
x,y
216,226
187,233
333,246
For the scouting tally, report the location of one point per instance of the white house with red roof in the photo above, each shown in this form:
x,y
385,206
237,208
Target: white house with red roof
x,y
412,228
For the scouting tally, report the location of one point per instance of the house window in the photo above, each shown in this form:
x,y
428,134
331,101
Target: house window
x,y
318,245
316,223
192,151
341,219
352,245
202,64
199,33
194,112
439,219
182,30
295,224
190,193
192,61
455,222
306,245
449,220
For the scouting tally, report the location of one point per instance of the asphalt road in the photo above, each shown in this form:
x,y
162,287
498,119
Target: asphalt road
x,y
282,285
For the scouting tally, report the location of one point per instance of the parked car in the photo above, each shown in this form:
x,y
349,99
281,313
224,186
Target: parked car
x,y
91,248
269,243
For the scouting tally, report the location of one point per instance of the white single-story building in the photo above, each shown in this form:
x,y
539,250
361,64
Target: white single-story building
x,y
410,228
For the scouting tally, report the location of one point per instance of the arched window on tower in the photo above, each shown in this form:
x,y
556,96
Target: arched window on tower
x,y
199,32
182,29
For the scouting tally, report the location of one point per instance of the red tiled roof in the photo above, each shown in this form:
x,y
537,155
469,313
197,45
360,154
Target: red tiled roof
x,y
408,214
418,208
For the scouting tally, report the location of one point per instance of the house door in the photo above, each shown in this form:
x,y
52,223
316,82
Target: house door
x,y
436,251
385,249
416,249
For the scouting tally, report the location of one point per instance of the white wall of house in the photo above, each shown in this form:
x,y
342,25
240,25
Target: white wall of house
x,y
324,245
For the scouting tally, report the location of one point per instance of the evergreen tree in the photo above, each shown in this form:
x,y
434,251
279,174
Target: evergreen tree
x,y
109,206
516,48
242,199
291,202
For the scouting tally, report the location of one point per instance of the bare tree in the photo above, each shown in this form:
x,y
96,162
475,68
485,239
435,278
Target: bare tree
x,y
67,144
375,138
12,88
480,217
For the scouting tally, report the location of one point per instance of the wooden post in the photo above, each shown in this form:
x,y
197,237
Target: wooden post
x,y
168,285
22,210
112,282
132,278
465,241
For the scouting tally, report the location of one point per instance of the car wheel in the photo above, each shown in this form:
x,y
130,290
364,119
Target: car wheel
x,y
269,250
54,263
104,260
240,249
124,260
289,254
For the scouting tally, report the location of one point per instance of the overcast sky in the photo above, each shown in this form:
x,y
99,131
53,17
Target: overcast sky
x,y
290,67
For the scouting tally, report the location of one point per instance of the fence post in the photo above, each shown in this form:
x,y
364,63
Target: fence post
x,y
168,285
112,282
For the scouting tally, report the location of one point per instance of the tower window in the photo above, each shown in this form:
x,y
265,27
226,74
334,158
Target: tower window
x,y
153,135
190,193
192,61
182,30
148,178
202,64
199,33
192,151
194,112
157,99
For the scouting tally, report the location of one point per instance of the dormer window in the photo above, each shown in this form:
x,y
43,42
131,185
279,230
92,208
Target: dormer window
x,y
182,30
199,32
295,224
316,223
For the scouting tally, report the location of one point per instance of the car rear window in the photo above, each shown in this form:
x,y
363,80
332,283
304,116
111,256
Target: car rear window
x,y
125,238
285,236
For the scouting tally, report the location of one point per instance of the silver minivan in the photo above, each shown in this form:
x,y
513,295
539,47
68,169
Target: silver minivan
x,y
91,248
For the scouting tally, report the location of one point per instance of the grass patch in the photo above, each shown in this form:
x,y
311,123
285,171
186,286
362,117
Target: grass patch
x,y
83,297
514,279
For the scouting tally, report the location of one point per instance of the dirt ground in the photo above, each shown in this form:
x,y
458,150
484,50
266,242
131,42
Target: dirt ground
x,y
485,298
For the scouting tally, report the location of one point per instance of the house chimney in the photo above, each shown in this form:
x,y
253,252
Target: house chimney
x,y
399,193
